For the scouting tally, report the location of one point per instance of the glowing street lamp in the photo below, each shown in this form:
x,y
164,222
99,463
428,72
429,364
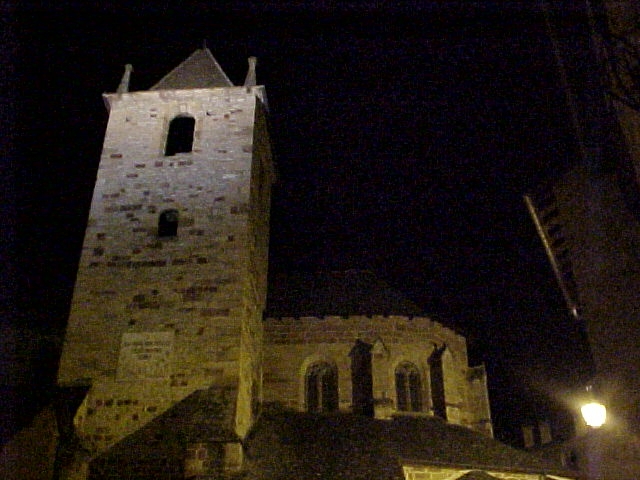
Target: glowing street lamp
x,y
594,413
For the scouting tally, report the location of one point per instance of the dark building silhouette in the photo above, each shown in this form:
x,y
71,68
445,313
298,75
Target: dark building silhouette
x,y
588,218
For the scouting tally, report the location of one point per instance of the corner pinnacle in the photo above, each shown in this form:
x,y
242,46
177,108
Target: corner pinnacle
x,y
126,77
250,79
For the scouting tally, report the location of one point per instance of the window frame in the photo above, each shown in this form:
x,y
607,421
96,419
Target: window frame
x,y
168,227
180,135
321,388
408,383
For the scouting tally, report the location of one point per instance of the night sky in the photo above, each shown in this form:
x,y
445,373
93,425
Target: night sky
x,y
404,137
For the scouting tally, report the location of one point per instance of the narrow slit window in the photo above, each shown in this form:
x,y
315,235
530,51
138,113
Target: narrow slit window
x,y
168,223
180,136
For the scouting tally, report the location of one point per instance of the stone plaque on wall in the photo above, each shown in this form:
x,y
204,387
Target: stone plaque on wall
x,y
145,355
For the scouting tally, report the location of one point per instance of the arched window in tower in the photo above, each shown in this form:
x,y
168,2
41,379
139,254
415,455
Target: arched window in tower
x,y
168,223
321,388
408,388
180,136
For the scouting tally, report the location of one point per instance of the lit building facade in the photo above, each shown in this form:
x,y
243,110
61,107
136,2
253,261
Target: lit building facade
x,y
168,323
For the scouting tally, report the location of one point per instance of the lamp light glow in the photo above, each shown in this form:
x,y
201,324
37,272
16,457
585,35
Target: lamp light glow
x,y
594,414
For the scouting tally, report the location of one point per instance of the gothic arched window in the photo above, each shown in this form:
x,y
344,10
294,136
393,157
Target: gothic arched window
x,y
180,136
321,388
168,223
408,388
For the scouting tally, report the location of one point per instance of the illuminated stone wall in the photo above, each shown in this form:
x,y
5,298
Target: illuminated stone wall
x,y
155,318
293,344
452,473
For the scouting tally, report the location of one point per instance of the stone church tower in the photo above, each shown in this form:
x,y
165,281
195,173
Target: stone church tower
x,y
169,355
171,286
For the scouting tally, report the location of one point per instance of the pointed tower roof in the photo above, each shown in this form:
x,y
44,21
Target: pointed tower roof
x,y
200,70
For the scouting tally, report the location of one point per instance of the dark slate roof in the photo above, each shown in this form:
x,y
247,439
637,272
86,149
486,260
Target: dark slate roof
x,y
355,447
200,70
350,292
157,449
284,443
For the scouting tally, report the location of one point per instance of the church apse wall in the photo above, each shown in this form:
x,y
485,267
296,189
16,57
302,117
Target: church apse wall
x,y
412,366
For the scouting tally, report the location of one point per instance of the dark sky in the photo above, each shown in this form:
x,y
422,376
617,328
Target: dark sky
x,y
405,138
